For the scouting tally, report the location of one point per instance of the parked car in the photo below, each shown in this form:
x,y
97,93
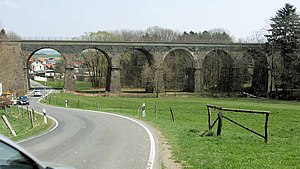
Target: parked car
x,y
23,100
37,93
13,156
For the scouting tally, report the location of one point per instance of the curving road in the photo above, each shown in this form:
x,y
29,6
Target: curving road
x,y
88,139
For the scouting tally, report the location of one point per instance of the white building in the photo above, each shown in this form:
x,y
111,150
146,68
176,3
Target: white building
x,y
37,66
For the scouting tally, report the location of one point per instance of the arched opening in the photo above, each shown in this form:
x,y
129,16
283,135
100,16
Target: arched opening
x,y
179,71
254,72
220,74
137,71
91,70
46,66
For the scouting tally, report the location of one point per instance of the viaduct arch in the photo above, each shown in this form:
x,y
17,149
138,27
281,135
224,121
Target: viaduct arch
x,y
14,55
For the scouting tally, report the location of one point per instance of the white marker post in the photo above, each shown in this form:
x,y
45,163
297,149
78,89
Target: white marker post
x,y
66,103
45,116
144,110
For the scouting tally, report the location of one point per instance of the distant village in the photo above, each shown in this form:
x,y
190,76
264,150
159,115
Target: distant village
x,y
44,66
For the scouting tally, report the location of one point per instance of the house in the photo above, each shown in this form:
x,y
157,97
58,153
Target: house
x,y
37,66
50,66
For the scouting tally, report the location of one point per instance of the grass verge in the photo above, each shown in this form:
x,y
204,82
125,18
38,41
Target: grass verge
x,y
22,124
236,148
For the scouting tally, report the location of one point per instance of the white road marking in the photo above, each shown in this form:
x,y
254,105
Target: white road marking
x,y
151,137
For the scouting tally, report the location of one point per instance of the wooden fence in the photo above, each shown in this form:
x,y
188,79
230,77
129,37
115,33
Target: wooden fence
x,y
221,116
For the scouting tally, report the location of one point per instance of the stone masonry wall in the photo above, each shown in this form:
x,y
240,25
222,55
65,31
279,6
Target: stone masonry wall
x,y
11,69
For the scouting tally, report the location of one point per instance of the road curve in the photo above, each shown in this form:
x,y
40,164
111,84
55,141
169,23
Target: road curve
x,y
88,139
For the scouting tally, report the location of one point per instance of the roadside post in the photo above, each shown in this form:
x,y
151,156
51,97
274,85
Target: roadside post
x,y
66,103
45,116
143,110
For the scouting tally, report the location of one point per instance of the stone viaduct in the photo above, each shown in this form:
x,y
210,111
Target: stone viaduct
x,y
15,54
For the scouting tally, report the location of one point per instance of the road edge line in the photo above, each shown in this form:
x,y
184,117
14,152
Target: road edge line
x,y
151,159
151,137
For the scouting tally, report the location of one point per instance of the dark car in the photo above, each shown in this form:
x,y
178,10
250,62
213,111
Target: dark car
x,y
23,100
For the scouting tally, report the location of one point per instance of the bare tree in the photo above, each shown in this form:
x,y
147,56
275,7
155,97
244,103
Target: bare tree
x,y
96,64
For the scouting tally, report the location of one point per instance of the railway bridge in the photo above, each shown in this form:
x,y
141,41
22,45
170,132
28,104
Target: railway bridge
x,y
15,55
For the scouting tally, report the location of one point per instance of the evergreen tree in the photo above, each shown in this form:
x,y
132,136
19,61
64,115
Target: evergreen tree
x,y
284,39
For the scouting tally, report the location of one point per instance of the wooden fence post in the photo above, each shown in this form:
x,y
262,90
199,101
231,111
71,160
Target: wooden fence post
x,y
155,112
9,126
22,111
18,109
209,117
173,119
28,112
266,127
97,105
31,118
219,131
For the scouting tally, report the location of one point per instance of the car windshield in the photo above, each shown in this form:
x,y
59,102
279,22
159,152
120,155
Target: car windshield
x,y
23,98
13,159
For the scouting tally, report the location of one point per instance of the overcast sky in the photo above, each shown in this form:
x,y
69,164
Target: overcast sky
x,y
72,18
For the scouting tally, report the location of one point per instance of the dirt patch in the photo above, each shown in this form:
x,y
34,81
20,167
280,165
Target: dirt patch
x,y
166,154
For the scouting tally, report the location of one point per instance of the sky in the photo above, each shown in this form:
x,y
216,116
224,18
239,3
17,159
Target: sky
x,y
72,18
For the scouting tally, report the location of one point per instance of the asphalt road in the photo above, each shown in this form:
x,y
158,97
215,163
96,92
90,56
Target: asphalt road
x,y
89,139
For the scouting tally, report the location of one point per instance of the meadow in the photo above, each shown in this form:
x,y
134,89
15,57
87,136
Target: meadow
x,y
235,148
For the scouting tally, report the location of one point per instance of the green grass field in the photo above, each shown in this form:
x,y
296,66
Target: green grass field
x,y
22,124
236,148
59,84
